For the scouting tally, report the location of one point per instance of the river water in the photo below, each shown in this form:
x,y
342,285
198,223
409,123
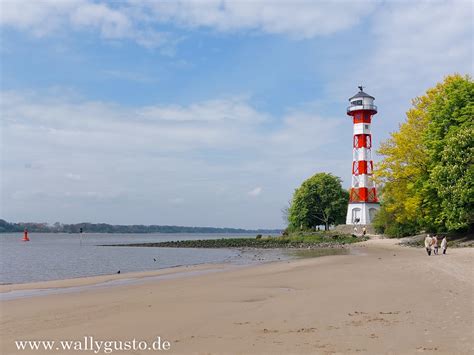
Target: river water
x,y
61,256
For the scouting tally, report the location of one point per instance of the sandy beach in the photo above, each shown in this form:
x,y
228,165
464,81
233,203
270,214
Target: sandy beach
x,y
381,299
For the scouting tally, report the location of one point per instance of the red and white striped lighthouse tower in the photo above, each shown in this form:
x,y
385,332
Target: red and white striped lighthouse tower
x,y
363,202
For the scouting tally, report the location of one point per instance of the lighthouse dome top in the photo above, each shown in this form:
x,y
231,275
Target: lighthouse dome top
x,y
361,94
361,101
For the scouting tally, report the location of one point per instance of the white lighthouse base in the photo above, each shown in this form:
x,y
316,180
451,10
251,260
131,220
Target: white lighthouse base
x,y
361,213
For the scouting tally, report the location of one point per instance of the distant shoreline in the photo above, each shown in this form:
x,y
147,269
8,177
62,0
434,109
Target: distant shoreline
x,y
86,227
253,233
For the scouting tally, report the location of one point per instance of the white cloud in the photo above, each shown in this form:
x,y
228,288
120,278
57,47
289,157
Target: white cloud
x,y
227,123
255,192
46,17
110,23
177,200
412,45
213,111
304,131
135,162
300,19
141,21
417,43
37,17
72,176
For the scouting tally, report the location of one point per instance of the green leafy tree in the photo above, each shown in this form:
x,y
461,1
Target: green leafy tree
x,y
452,179
320,200
448,188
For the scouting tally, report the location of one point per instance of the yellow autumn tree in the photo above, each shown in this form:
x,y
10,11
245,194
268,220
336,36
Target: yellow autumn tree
x,y
405,160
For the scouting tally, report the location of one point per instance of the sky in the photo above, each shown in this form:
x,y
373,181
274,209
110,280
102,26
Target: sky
x,y
202,113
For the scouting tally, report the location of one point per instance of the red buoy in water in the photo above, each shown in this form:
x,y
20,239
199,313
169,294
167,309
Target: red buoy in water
x,y
25,236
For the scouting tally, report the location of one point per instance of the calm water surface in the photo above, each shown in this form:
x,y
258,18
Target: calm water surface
x,y
62,256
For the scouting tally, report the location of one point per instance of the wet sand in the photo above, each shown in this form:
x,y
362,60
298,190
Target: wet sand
x,y
381,299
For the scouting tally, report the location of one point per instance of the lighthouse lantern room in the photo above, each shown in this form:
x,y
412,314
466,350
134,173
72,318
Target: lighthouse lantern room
x,y
363,202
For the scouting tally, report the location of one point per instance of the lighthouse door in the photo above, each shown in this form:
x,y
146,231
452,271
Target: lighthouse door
x,y
356,214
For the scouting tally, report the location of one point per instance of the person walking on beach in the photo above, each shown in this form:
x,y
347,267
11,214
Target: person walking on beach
x,y
435,245
444,245
428,242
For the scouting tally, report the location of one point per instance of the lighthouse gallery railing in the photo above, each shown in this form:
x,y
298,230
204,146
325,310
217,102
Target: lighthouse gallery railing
x,y
361,107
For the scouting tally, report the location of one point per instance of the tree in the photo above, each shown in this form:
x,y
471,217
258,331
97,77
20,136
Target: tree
x,y
385,222
427,168
452,179
399,172
319,200
450,143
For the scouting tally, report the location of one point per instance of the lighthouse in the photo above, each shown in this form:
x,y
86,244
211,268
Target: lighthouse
x,y
363,202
